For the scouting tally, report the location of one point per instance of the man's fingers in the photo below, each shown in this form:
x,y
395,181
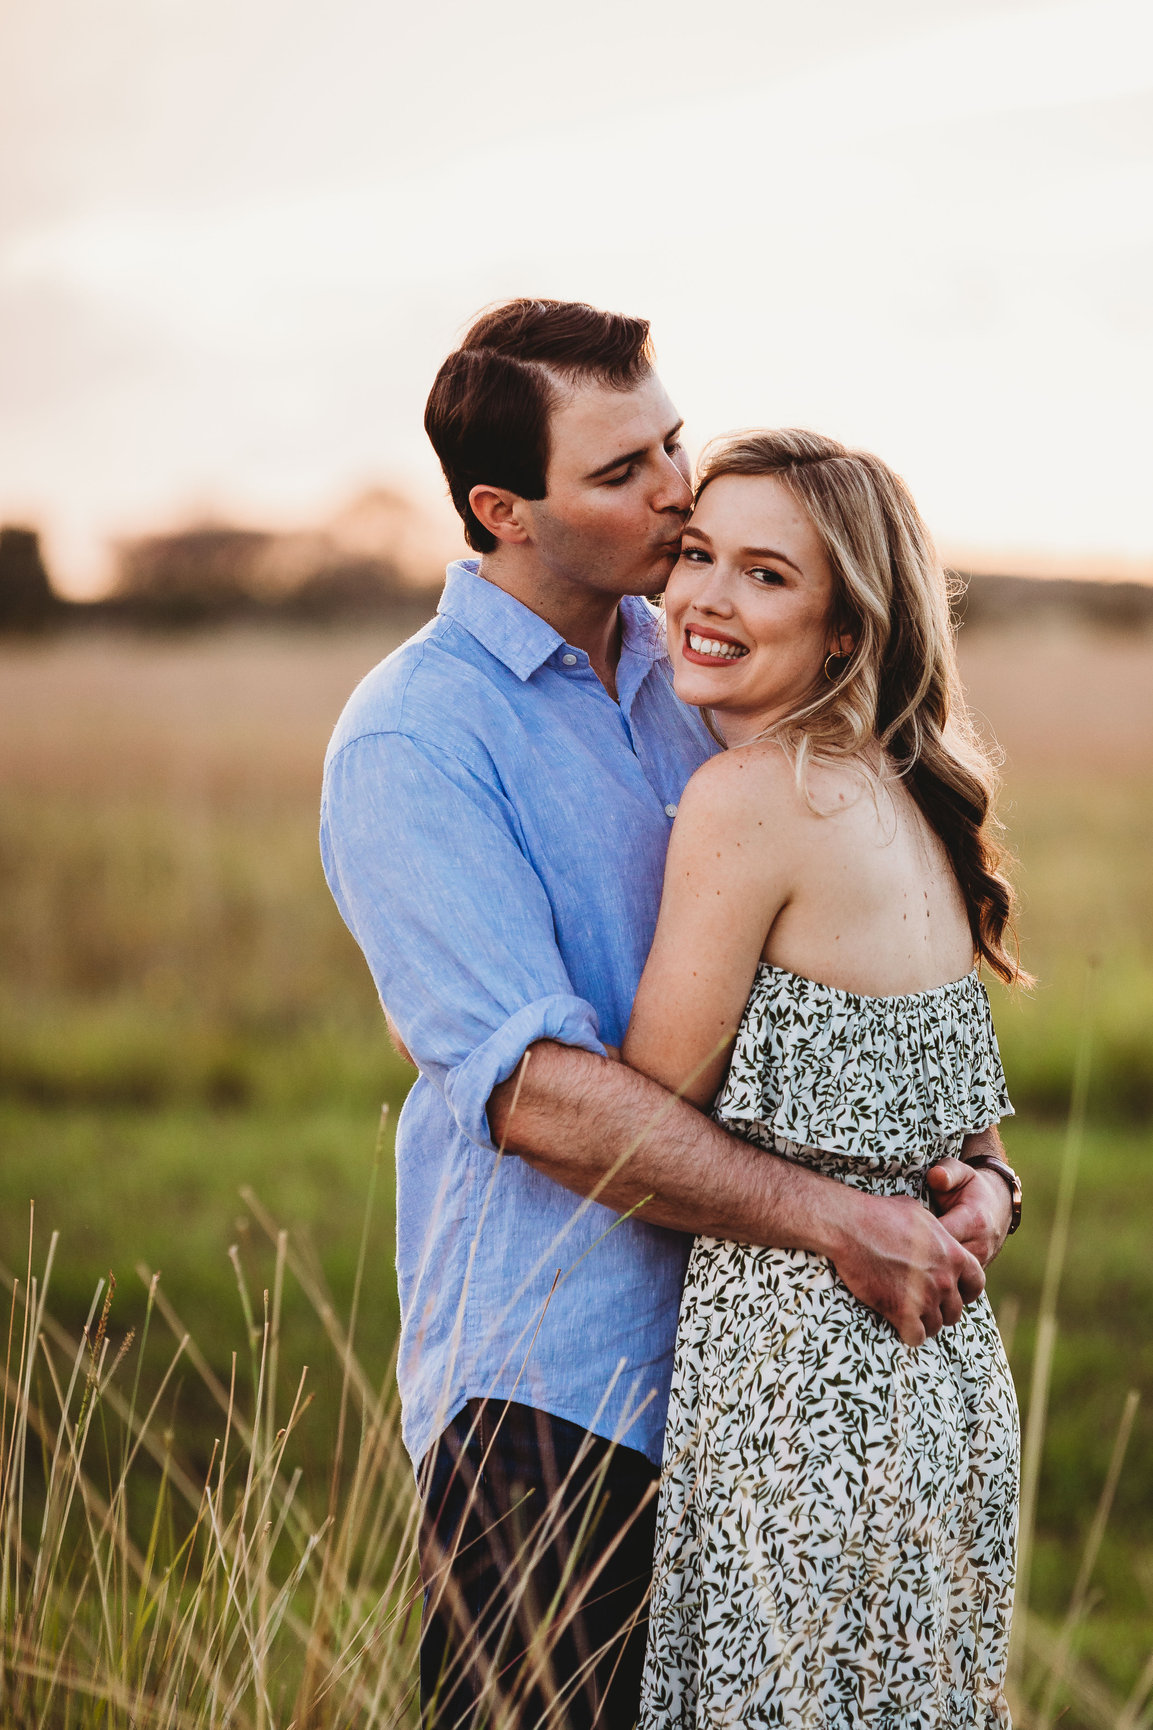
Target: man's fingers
x,y
912,1330
971,1279
944,1307
945,1177
930,1320
976,1211
911,1269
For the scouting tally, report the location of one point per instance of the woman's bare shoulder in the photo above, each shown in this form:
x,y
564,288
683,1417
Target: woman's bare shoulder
x,y
749,788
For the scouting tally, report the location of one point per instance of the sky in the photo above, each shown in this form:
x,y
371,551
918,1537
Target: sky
x,y
238,236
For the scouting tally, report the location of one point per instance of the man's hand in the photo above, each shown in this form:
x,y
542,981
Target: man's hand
x,y
903,1263
974,1205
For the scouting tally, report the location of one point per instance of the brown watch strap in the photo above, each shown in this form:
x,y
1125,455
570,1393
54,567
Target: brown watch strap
x,y
993,1162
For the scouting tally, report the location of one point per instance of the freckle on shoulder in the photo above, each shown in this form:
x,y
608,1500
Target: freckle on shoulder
x,y
719,803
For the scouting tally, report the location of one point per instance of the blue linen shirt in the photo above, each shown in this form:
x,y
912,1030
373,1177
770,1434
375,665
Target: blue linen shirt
x,y
494,830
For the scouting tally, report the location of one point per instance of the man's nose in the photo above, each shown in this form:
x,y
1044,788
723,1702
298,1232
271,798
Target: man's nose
x,y
673,491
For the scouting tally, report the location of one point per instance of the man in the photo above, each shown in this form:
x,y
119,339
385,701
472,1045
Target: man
x,y
498,796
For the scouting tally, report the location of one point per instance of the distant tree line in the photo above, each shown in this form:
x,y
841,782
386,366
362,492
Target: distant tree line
x,y
994,600
221,574
377,556
200,576
211,574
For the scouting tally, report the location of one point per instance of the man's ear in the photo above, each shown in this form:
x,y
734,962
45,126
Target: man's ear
x,y
500,512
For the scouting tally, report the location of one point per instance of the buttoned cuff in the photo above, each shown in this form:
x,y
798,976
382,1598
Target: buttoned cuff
x,y
568,1020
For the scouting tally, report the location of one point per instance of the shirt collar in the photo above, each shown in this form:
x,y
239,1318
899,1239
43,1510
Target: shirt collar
x,y
501,624
520,638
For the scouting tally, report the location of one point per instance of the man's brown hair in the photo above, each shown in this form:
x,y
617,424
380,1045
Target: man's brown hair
x,y
488,411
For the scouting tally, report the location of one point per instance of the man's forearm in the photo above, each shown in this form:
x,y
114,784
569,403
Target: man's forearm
x,y
984,1141
609,1133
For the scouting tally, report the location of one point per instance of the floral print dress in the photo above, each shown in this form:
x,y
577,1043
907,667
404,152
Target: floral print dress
x,y
837,1516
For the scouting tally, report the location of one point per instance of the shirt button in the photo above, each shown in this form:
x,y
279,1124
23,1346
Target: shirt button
x,y
670,810
569,660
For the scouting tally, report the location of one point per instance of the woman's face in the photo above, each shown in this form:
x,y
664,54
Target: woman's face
x,y
749,605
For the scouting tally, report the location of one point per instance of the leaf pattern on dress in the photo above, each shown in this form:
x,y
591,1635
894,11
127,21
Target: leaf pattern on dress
x,y
837,1520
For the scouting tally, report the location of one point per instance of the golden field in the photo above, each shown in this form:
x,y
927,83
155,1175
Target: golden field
x,y
182,1015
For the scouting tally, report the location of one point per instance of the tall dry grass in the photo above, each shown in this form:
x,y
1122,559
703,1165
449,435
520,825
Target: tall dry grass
x,y
134,1593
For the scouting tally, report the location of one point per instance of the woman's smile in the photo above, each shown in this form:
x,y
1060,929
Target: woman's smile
x,y
706,646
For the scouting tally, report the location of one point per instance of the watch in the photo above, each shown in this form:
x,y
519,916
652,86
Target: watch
x,y
993,1162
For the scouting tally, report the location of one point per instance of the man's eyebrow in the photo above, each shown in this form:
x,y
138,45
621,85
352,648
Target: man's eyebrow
x,y
630,456
749,552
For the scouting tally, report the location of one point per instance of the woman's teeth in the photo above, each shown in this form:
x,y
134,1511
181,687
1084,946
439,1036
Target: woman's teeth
x,y
714,646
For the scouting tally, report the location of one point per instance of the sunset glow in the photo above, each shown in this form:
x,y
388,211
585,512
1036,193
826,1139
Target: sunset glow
x,y
236,244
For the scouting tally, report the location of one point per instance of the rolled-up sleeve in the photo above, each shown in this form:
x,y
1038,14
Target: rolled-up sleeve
x,y
423,855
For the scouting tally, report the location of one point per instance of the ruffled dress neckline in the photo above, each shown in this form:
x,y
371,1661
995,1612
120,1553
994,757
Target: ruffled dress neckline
x,y
880,1086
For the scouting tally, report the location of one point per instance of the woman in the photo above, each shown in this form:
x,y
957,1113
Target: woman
x,y
838,1508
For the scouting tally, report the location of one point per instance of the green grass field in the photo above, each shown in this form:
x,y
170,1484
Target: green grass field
x,y
182,1015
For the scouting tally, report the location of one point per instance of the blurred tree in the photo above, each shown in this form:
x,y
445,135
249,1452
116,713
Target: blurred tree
x,y
196,574
28,601
216,571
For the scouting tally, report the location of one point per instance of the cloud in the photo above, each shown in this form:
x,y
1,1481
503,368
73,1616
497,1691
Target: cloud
x,y
260,266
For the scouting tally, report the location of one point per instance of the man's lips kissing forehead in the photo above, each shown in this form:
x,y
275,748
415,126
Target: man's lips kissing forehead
x,y
707,645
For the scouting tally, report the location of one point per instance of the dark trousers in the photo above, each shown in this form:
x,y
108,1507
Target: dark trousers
x,y
536,1559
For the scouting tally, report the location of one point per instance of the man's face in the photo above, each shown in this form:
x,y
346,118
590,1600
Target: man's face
x,y
618,490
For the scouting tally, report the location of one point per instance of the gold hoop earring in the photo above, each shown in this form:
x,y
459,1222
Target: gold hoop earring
x,y
833,656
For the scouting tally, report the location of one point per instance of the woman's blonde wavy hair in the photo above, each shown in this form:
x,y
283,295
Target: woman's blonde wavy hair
x,y
899,686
